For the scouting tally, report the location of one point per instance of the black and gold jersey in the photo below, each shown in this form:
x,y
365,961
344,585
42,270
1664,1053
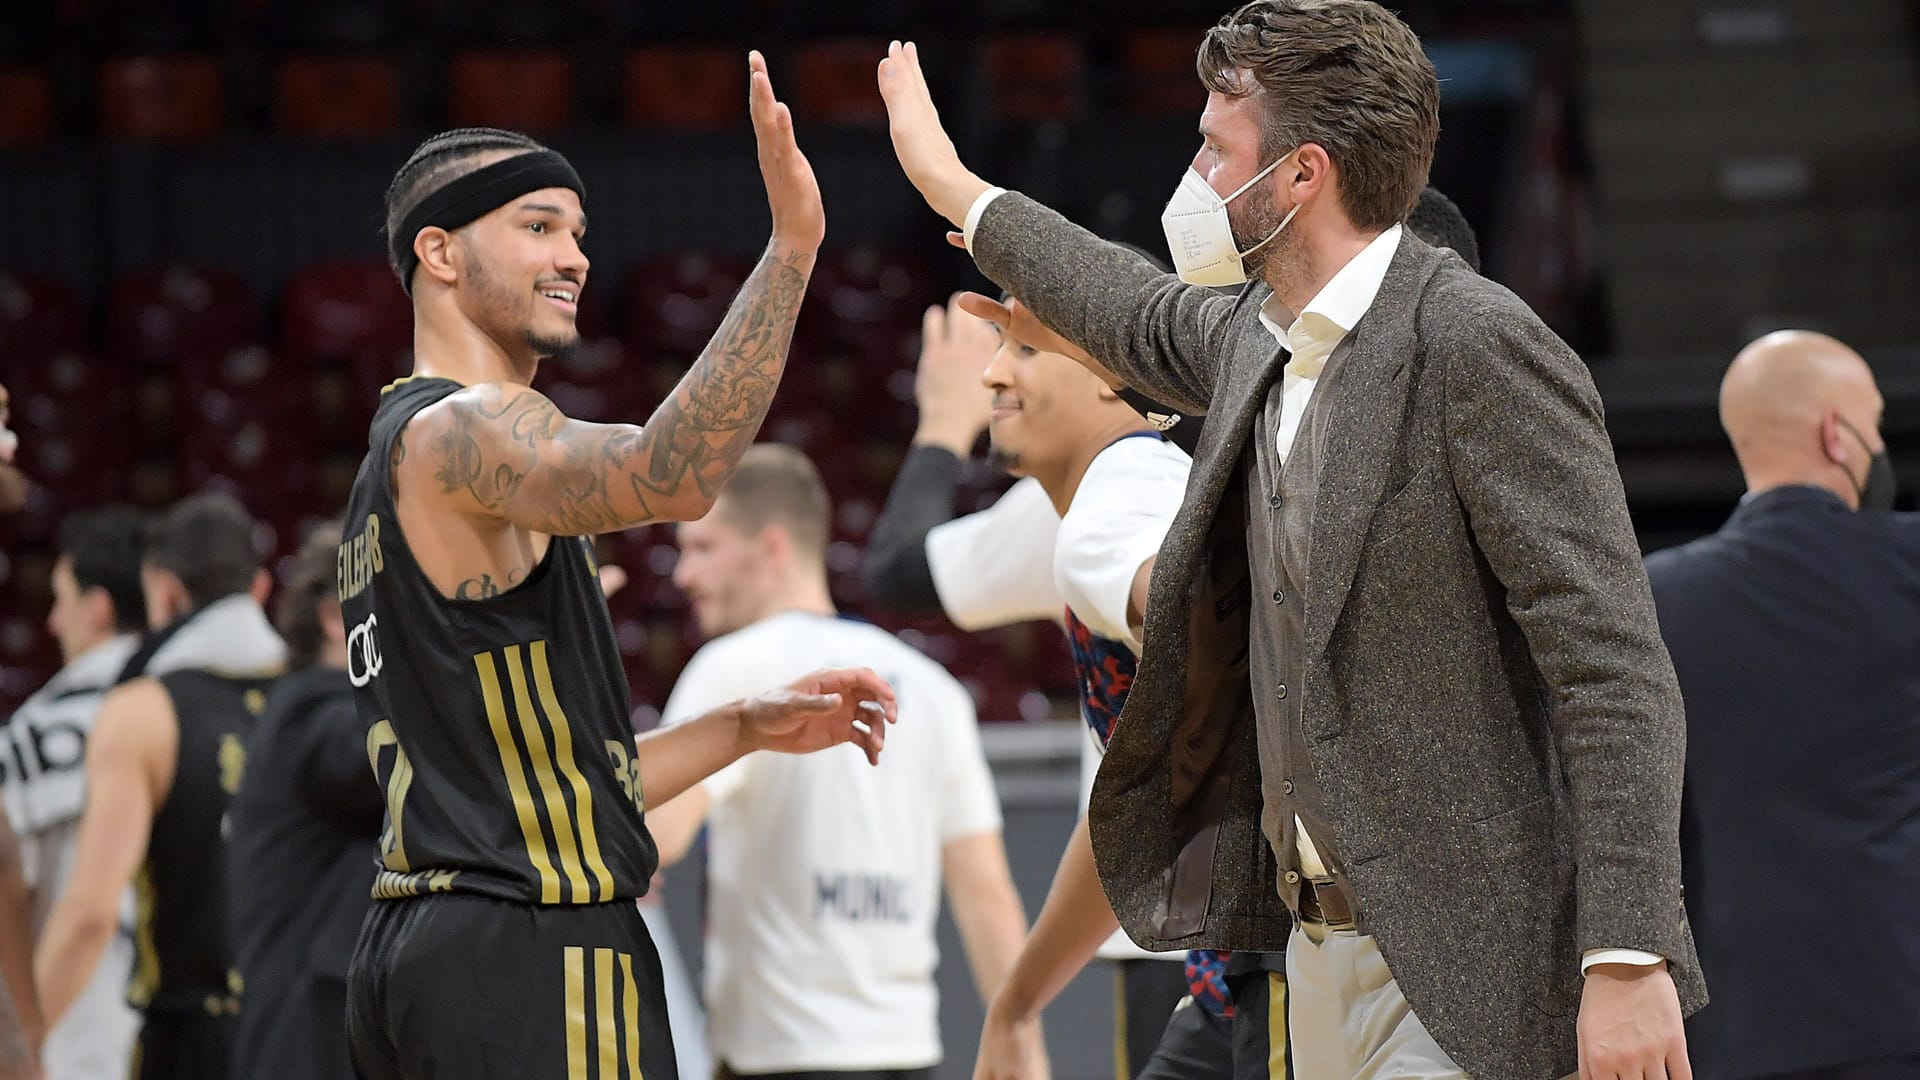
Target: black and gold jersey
x,y
183,956
499,728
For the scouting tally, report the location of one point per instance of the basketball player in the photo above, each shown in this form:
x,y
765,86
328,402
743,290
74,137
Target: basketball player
x,y
505,941
165,757
824,877
993,568
97,617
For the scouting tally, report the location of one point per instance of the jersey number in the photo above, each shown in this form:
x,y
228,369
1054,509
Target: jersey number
x,y
393,849
626,769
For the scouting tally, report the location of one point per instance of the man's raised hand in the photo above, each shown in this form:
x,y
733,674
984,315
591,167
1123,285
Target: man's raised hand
x,y
926,153
955,404
793,194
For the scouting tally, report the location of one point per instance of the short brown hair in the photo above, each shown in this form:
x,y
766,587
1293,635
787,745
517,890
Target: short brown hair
x,y
206,541
1346,74
777,484
310,584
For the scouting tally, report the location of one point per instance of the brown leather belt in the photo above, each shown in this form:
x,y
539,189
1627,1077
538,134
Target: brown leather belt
x,y
1323,903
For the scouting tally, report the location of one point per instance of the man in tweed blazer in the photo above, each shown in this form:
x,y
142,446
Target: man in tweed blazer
x,y
1405,682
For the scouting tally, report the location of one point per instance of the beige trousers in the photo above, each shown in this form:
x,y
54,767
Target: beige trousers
x,y
1348,1018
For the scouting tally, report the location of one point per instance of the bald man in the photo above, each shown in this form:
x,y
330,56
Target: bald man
x,y
1795,631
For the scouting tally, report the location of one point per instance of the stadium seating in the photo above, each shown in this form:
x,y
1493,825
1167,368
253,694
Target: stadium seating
x,y
680,87
26,105
344,95
161,98
167,312
509,88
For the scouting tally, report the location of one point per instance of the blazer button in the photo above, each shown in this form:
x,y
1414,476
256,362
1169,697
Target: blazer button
x,y
1281,692
1286,787
1279,597
1273,502
1293,877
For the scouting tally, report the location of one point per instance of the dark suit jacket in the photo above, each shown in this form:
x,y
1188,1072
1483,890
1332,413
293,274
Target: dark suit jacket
x,y
1493,720
1796,633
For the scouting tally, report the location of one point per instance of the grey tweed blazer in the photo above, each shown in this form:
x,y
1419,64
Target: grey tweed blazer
x,y
1492,716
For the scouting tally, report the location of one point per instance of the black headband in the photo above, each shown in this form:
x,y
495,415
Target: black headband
x,y
475,195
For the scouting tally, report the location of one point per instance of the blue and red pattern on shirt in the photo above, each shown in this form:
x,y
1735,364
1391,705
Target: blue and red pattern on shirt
x,y
1106,668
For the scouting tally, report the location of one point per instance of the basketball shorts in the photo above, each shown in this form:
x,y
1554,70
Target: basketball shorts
x,y
455,985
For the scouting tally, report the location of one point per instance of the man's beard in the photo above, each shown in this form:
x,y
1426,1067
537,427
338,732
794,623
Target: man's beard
x,y
1006,461
497,297
1254,228
552,347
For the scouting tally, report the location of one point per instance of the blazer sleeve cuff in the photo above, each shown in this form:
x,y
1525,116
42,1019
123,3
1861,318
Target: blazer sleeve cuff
x,y
978,208
1635,957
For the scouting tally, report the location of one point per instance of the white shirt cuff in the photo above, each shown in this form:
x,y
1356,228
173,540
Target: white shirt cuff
x,y
1619,956
978,208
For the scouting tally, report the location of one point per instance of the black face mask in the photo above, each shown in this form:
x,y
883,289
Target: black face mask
x,y
1877,490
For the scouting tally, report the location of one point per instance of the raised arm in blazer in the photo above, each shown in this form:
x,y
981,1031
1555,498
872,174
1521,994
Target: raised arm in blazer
x,y
1160,334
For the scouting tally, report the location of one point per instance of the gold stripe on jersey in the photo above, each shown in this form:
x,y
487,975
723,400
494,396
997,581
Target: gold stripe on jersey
x,y
576,963
543,774
145,981
633,1018
563,753
609,1035
516,779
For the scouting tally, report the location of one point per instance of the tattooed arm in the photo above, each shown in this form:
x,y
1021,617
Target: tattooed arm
x,y
504,451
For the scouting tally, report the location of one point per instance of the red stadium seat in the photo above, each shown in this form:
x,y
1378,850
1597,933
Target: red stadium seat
x,y
1035,77
683,87
250,450
162,98
872,286
674,304
350,320
1160,74
335,311
26,106
337,95
834,83
38,318
173,311
510,88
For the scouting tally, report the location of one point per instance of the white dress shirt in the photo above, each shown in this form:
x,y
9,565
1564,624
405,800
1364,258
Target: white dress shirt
x,y
1311,336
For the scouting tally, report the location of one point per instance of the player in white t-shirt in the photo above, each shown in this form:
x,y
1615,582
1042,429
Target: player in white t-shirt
x,y
992,568
97,616
825,874
1112,487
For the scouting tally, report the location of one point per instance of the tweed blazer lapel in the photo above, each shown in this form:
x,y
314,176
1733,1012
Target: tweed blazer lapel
x,y
1367,405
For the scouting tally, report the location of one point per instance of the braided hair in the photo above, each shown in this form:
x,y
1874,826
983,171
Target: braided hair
x,y
444,157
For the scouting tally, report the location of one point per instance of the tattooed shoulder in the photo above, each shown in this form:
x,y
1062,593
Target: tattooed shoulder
x,y
484,440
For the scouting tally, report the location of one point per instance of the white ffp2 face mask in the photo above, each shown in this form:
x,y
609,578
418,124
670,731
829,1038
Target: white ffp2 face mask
x,y
1200,235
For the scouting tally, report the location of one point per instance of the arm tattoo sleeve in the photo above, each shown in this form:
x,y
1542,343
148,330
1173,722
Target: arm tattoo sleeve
x,y
517,456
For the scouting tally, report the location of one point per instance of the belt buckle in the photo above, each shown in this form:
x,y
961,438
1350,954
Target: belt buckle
x,y
1350,922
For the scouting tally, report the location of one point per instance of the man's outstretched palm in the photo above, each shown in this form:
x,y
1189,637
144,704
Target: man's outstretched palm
x,y
821,710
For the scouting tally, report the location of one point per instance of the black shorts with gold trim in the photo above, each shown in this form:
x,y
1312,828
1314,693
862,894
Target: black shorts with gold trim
x,y
457,985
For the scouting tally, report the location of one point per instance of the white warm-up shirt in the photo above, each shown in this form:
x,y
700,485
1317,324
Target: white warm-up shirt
x,y
824,871
1120,513
995,567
